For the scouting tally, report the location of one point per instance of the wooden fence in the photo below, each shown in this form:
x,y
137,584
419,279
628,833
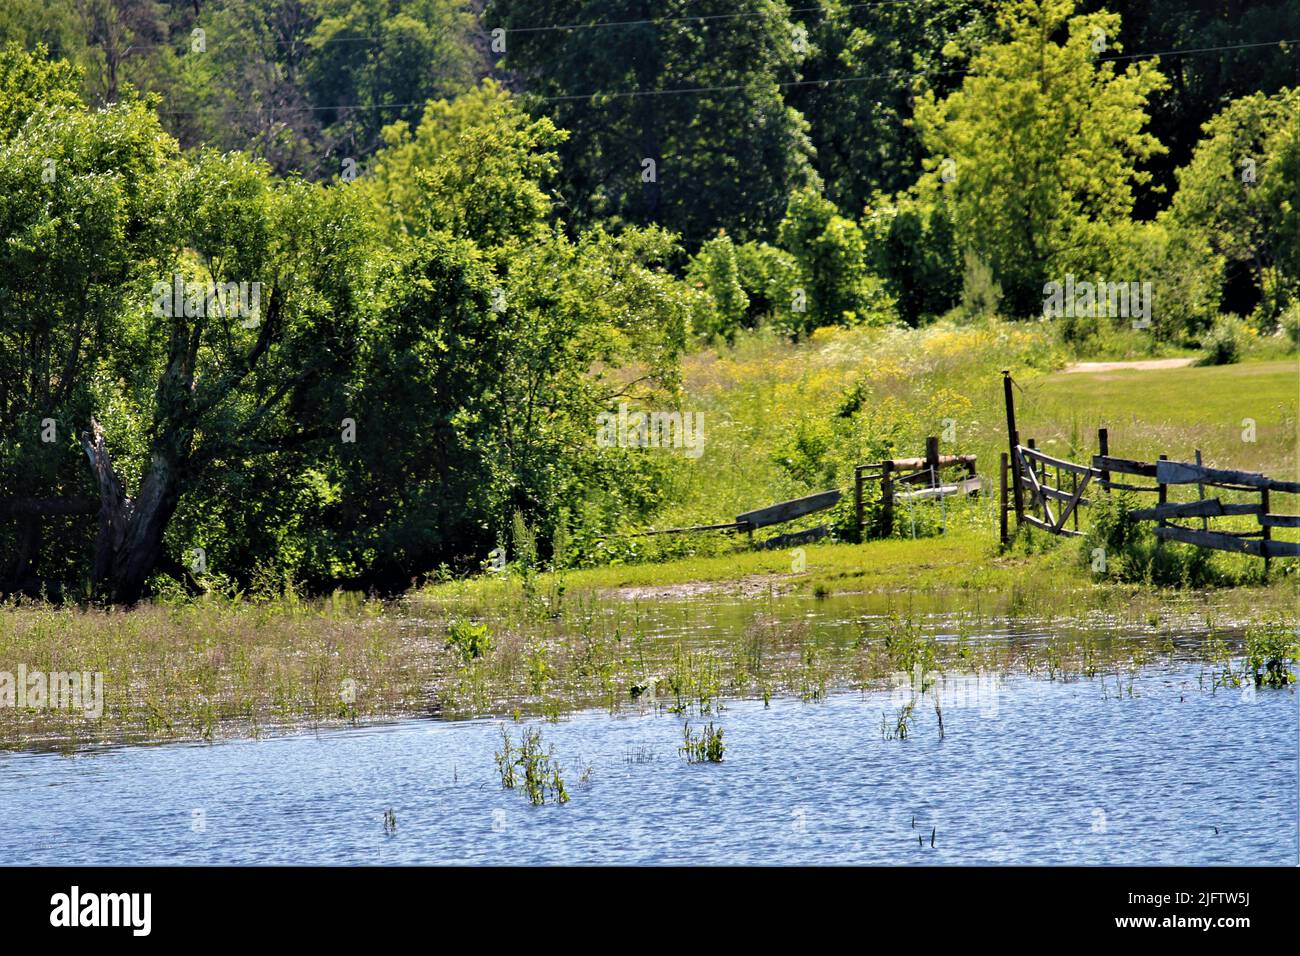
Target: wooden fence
x,y
1038,495
918,477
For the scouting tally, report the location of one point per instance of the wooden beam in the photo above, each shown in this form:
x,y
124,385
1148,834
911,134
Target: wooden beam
x,y
1055,462
966,486
918,464
1040,523
1280,521
1212,539
1038,490
1123,466
1074,501
1282,549
1120,486
1186,473
1056,494
1208,508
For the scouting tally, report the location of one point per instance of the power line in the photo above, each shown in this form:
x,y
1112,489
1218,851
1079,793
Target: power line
x,y
541,28
700,18
787,84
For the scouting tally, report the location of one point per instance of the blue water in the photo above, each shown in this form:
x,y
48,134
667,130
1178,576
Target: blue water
x,y
1060,773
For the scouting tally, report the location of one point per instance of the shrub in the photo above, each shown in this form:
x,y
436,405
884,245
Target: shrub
x,y
980,292
469,639
1130,550
1226,342
714,270
1271,651
1290,322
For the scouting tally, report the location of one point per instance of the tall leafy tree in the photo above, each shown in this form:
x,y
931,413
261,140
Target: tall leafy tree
x,y
865,63
1043,141
675,108
1241,194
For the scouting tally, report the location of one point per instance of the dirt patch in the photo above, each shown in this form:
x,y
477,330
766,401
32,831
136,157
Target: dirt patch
x,y
1141,365
753,585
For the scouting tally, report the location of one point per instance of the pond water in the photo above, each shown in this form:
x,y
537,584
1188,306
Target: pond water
x,y
1089,771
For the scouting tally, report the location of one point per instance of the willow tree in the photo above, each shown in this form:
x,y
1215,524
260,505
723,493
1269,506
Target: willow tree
x,y
99,211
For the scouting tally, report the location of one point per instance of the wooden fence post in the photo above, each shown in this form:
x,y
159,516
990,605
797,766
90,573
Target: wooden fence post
x,y
1002,497
1074,490
857,498
1013,439
932,458
1103,448
1162,491
1200,495
1266,530
887,498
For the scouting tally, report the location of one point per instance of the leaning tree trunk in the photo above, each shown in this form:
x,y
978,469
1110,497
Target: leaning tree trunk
x,y
130,542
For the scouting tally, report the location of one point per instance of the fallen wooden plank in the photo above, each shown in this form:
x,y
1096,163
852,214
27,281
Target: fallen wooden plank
x,y
1211,539
788,510
729,526
1209,508
1186,473
1280,521
1123,465
1054,462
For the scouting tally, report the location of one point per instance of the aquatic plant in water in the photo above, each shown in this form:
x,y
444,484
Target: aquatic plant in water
x,y
706,746
1271,650
528,764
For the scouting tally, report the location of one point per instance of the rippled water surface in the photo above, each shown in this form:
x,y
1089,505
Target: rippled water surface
x,y
1086,771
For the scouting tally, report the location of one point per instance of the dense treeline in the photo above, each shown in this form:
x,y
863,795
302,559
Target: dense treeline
x,y
334,291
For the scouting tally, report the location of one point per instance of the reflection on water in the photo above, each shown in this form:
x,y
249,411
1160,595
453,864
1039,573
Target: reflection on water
x,y
1087,771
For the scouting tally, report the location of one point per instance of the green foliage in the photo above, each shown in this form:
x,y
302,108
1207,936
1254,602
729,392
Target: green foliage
x,y
528,764
911,247
1238,193
1226,341
372,53
1130,550
702,177
475,167
768,276
704,747
1042,138
858,90
469,640
1272,649
714,269
831,253
980,292
1290,323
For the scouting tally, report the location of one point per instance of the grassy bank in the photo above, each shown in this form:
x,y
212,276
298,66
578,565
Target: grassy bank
x,y
619,638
